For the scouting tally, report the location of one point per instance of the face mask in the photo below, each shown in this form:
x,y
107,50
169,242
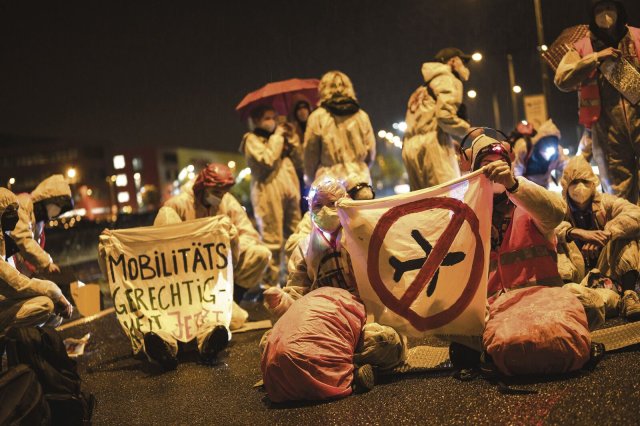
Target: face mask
x,y
580,193
269,126
327,219
53,210
212,201
463,72
606,19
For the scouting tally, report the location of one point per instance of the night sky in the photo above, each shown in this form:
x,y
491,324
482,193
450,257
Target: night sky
x,y
171,72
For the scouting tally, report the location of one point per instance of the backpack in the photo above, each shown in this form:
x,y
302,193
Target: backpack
x,y
541,155
42,349
22,398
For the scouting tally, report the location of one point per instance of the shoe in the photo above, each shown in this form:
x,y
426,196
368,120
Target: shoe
x,y
363,379
631,305
215,342
159,351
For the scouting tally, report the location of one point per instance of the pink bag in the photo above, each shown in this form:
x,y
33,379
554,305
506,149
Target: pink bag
x,y
309,353
537,330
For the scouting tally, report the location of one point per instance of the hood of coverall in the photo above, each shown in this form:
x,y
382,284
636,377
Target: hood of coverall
x,y
578,168
52,190
620,26
546,129
431,70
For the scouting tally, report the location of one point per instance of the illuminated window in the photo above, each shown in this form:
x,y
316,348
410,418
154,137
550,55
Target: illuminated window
x,y
118,162
121,180
123,197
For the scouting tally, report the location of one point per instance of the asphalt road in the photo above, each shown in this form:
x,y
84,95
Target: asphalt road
x,y
130,392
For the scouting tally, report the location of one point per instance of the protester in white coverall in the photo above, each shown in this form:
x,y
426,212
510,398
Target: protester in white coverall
x,y
538,154
434,119
48,200
339,139
358,188
209,196
614,121
273,153
599,231
24,301
320,260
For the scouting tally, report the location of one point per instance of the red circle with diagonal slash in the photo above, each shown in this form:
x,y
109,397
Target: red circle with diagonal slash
x,y
461,213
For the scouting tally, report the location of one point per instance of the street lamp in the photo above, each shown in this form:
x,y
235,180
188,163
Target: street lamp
x,y
517,89
477,56
71,173
11,182
472,94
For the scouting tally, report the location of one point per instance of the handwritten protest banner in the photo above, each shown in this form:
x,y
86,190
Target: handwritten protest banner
x,y
172,277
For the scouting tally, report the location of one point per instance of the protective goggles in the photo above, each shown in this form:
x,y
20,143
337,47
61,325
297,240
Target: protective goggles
x,y
353,191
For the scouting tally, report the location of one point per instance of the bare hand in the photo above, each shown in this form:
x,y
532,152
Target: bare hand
x,y
599,238
63,307
52,268
591,251
609,53
500,172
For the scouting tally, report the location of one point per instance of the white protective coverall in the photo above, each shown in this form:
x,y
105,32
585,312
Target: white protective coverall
x,y
23,301
616,133
428,151
251,258
609,213
28,231
522,154
339,139
275,193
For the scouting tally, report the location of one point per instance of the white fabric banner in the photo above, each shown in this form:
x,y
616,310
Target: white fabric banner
x,y
421,259
171,277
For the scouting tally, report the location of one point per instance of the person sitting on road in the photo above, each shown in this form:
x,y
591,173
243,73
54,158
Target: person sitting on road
x,y
525,215
48,200
209,196
321,260
24,301
599,231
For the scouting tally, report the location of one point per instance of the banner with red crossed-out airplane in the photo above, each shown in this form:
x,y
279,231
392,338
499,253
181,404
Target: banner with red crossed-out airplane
x,y
421,259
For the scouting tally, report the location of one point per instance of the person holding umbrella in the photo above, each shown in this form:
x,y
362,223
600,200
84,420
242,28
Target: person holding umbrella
x,y
339,139
272,152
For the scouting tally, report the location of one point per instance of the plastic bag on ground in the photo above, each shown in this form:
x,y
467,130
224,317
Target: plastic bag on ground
x,y
309,353
537,330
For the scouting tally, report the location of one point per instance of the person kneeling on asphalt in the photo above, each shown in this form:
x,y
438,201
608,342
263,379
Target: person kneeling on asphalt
x,y
599,231
320,260
24,301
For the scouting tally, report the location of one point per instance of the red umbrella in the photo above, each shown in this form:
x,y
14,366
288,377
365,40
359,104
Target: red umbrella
x,y
279,95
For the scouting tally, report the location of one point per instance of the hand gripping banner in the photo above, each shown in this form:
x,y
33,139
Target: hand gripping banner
x,y
421,259
171,277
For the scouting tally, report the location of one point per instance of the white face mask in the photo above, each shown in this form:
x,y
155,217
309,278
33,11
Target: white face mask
x,y
53,210
327,219
580,193
212,201
463,73
606,19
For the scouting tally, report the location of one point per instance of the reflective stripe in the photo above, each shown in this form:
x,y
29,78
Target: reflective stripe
x,y
525,254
